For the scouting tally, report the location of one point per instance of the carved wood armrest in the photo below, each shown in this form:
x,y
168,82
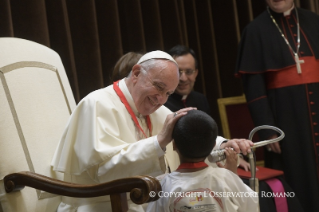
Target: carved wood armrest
x,y
138,186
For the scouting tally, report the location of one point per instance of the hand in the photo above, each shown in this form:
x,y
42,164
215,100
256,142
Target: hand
x,y
244,164
239,145
275,147
165,136
231,160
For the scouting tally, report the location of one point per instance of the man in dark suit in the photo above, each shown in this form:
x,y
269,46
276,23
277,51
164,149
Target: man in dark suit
x,y
184,95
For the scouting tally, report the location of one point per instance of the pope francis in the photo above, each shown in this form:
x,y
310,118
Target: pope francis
x,y
123,130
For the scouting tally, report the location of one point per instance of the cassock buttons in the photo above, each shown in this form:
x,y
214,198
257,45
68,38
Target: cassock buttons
x,y
313,113
315,123
295,35
316,134
310,92
312,103
291,25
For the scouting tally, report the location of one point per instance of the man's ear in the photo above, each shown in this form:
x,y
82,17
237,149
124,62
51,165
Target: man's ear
x,y
136,70
196,72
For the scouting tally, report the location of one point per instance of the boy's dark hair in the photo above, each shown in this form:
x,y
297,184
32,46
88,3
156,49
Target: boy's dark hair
x,y
180,50
195,134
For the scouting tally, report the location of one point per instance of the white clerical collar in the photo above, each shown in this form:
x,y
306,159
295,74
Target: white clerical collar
x,y
289,11
184,97
128,96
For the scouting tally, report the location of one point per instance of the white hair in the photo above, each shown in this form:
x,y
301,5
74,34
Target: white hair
x,y
154,63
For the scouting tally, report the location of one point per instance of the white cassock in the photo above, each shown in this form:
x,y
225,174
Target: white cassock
x,y
211,189
101,143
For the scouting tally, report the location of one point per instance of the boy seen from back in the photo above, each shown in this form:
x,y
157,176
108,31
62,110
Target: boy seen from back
x,y
195,186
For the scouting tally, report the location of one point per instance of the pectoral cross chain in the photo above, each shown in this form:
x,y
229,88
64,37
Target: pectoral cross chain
x,y
287,42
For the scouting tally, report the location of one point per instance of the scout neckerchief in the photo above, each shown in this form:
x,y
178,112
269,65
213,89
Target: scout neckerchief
x,y
192,165
129,109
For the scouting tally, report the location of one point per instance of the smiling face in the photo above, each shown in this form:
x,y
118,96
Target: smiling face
x,y
151,83
186,81
280,6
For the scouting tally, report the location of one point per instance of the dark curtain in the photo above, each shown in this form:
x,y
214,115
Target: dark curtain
x,y
90,36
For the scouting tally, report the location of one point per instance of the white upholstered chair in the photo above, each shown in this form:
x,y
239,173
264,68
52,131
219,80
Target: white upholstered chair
x,y
35,103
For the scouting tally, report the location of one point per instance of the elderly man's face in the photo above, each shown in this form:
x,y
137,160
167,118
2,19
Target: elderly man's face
x,y
151,89
188,74
280,6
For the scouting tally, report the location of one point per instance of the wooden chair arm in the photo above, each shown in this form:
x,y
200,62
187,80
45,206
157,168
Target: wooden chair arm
x,y
138,186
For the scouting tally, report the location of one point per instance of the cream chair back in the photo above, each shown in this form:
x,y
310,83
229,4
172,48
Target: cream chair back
x,y
36,101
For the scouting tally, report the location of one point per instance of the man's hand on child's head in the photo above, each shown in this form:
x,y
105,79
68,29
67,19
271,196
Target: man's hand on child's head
x,y
231,160
164,137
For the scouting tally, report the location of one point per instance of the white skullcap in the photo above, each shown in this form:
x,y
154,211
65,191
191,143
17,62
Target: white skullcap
x,y
156,55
